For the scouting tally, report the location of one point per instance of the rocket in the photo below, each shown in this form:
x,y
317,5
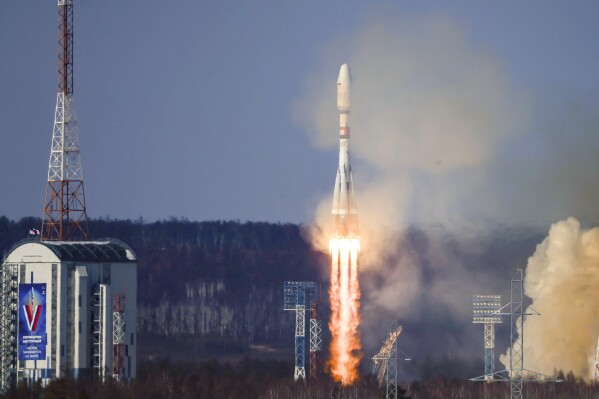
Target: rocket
x,y
345,214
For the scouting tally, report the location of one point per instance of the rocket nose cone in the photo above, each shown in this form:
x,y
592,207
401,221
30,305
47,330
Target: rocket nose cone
x,y
343,88
344,75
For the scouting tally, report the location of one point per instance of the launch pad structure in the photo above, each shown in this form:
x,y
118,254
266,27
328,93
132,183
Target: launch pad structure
x,y
385,362
299,296
516,375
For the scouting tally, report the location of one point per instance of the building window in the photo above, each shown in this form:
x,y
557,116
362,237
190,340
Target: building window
x,y
79,327
79,300
132,339
62,350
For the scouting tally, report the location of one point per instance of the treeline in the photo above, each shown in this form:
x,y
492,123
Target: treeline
x,y
248,379
212,288
173,252
253,379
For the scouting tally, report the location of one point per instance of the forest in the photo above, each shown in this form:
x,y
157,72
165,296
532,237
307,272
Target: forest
x,y
211,324
256,379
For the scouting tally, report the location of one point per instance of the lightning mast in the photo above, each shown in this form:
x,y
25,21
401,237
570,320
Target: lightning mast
x,y
65,215
315,335
385,362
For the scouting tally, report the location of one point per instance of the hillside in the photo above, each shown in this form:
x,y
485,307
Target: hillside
x,y
214,289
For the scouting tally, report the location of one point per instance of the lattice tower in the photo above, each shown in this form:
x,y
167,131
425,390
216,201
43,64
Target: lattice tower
x,y
118,338
8,325
385,362
296,295
65,214
315,337
516,335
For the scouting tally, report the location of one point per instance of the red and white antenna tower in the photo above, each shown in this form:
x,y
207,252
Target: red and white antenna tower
x,y
65,216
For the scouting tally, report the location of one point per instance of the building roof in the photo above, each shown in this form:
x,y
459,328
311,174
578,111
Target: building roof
x,y
104,250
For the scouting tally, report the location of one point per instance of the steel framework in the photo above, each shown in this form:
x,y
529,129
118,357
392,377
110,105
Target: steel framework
x,y
65,214
296,296
8,325
315,336
385,362
484,311
99,331
516,375
516,335
118,337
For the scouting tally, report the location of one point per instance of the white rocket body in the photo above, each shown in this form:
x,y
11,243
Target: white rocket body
x,y
345,213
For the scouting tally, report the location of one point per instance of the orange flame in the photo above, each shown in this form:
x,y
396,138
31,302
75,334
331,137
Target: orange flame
x,y
344,294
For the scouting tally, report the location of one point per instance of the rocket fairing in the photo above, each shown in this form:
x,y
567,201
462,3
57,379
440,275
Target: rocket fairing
x,y
345,214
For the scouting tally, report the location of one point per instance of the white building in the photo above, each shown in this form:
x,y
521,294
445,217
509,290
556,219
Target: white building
x,y
68,308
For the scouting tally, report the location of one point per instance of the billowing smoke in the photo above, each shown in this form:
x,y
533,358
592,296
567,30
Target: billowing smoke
x,y
430,108
428,105
562,279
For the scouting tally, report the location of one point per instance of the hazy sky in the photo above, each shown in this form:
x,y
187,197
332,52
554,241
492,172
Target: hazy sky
x,y
185,108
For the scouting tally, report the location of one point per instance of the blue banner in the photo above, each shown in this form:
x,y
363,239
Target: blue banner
x,y
32,322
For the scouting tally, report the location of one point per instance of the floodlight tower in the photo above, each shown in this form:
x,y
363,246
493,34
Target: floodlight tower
x,y
65,215
296,294
485,310
516,375
385,362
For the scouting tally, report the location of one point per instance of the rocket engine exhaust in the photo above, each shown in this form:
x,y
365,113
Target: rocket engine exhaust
x,y
344,247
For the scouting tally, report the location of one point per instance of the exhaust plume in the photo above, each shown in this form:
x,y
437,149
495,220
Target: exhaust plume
x,y
429,105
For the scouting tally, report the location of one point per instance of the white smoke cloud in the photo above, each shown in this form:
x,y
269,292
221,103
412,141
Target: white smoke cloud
x,y
428,104
562,279
430,108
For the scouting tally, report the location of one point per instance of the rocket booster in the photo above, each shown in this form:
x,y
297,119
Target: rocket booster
x,y
345,214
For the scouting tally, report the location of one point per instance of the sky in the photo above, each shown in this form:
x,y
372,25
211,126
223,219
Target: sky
x,y
206,109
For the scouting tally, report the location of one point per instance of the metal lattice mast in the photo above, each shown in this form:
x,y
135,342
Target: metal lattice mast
x,y
296,294
516,375
118,337
485,310
300,335
8,325
315,337
596,376
65,215
385,362
516,335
